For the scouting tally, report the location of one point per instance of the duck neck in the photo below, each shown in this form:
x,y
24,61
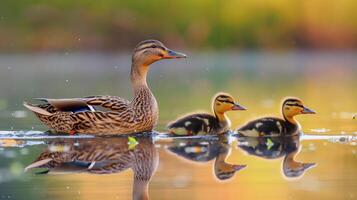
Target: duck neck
x,y
140,190
223,154
291,119
221,116
138,76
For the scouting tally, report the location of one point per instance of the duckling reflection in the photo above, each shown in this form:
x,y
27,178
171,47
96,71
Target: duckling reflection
x,y
102,156
197,150
276,147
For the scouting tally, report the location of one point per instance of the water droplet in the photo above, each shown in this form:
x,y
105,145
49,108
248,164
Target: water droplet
x,y
67,187
67,81
19,114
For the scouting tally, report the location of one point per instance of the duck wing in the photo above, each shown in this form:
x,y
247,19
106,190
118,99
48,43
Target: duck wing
x,y
263,127
195,123
84,104
109,102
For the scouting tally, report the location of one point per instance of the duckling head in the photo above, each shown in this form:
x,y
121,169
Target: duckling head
x,y
150,51
293,106
223,102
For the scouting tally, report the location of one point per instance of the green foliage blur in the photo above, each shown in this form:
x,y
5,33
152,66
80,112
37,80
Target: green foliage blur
x,y
43,25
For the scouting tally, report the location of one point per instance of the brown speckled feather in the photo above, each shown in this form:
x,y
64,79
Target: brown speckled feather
x,y
123,117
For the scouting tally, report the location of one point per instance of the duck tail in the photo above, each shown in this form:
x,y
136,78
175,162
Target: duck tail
x,y
37,110
38,164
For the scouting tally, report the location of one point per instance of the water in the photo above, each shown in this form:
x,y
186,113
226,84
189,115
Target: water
x,y
184,168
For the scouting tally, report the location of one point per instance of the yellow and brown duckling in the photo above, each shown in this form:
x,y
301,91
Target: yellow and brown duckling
x,y
79,115
203,123
271,126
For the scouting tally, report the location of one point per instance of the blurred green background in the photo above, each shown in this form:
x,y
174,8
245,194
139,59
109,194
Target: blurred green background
x,y
42,25
257,50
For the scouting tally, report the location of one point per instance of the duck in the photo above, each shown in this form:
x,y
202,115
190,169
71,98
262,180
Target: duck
x,y
204,123
272,126
110,115
101,156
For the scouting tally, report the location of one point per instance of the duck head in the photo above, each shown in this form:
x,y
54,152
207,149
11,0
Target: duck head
x,y
223,102
293,106
150,51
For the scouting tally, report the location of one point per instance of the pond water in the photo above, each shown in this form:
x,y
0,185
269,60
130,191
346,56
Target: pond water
x,y
320,164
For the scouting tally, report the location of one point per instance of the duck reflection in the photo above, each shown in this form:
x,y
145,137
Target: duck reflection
x,y
276,147
102,156
197,150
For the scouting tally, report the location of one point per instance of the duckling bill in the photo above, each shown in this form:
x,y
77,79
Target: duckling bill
x,y
203,123
271,126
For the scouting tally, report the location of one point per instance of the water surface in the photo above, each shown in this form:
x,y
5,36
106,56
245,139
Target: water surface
x,y
201,168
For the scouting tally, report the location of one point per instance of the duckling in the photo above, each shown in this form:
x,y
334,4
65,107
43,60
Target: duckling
x,y
202,123
79,115
271,126
102,156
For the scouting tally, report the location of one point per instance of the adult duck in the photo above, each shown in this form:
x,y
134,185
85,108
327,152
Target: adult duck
x,y
86,115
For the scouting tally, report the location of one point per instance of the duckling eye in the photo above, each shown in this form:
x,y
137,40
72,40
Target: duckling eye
x,y
226,101
286,108
218,104
153,46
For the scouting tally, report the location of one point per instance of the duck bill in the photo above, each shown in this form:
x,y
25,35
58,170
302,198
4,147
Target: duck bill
x,y
239,167
173,54
307,111
238,107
